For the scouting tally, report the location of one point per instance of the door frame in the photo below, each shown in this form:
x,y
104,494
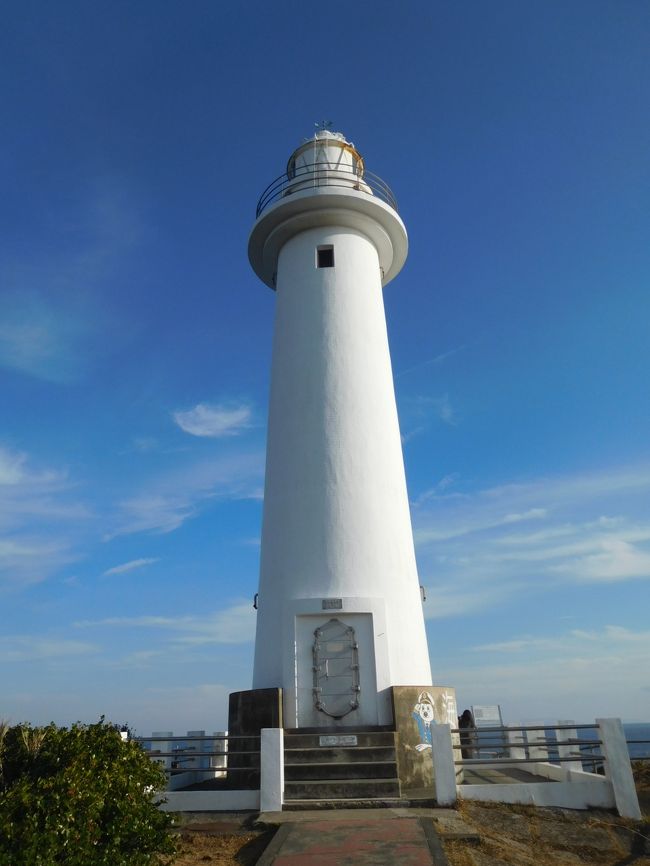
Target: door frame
x,y
321,607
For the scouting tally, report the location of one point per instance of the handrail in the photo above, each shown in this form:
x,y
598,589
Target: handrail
x,y
473,762
549,727
321,174
192,739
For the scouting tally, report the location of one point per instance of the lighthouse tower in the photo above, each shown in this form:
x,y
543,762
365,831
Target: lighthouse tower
x,y
339,620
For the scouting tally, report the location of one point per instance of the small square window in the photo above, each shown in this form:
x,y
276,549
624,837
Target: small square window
x,y
325,257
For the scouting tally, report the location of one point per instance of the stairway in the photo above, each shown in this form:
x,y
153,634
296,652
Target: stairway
x,y
336,774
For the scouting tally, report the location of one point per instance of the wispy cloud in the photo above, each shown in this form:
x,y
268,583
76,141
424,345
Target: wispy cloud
x,y
436,361
440,407
14,470
21,648
53,304
214,421
581,672
174,497
39,339
38,519
482,546
232,625
129,566
571,641
424,411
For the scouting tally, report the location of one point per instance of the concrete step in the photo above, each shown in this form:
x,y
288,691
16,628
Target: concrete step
x,y
356,770
339,789
367,803
351,755
364,738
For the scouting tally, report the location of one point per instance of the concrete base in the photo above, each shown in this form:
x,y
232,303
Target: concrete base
x,y
252,710
415,710
248,713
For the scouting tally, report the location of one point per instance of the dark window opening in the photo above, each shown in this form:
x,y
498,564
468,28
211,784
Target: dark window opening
x,y
325,257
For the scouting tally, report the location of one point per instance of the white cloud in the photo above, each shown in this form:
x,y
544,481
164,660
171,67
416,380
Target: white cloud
x,y
614,560
19,648
446,411
36,338
441,407
179,495
14,470
129,566
38,520
432,362
233,625
531,514
11,467
214,421
575,640
55,298
577,674
477,548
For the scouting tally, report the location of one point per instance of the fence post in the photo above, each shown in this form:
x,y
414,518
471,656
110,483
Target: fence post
x,y
568,751
516,740
443,765
271,769
618,768
537,746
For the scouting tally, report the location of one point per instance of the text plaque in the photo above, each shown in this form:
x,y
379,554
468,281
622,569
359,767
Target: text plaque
x,y
346,740
332,604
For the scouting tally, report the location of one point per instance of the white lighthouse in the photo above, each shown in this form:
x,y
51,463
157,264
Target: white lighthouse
x,y
339,618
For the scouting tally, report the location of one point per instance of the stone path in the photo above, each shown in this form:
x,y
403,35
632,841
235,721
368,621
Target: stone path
x,y
354,838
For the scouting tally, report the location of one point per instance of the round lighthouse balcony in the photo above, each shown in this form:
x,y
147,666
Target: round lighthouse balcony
x,y
318,175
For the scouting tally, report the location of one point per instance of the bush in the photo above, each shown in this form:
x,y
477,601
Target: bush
x,y
80,797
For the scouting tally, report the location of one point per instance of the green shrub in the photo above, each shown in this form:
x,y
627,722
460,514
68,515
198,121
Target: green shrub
x,y
79,796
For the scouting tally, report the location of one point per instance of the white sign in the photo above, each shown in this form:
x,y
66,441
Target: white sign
x,y
487,715
347,740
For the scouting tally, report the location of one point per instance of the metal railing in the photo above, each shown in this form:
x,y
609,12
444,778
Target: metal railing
x,y
492,751
238,757
319,174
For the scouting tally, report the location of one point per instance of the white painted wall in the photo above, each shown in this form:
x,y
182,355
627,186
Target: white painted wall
x,y
336,515
271,769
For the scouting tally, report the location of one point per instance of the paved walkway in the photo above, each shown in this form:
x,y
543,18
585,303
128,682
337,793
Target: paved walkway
x,y
357,837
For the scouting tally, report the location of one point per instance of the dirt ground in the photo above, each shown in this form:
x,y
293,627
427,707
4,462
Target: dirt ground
x,y
529,836
510,836
241,849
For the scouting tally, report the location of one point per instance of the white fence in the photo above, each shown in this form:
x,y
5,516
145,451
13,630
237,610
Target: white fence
x,y
565,784
559,782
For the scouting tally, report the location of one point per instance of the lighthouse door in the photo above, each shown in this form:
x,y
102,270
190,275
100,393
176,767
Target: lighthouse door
x,y
335,667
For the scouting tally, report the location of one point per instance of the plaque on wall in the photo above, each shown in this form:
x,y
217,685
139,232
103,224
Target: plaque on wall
x,y
344,740
332,604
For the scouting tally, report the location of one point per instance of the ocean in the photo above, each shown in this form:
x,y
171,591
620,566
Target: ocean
x,y
638,731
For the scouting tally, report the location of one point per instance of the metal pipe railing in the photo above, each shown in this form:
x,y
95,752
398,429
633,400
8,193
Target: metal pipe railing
x,y
319,174
183,754
496,746
469,762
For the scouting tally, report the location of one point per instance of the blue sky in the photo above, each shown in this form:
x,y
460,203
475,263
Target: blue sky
x,y
135,340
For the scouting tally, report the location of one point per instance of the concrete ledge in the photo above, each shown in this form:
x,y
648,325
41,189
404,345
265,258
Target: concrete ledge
x,y
211,801
563,795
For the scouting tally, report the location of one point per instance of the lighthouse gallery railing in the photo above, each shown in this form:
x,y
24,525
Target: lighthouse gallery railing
x,y
319,174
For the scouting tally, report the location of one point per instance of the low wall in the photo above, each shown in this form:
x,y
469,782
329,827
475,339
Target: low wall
x,y
565,795
211,801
